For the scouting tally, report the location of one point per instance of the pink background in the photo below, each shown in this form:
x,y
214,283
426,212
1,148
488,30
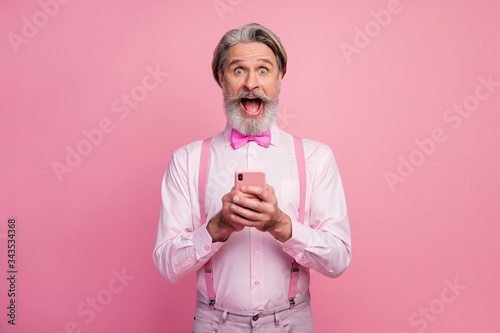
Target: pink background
x,y
411,239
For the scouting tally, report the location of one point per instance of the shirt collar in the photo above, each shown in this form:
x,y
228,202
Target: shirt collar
x,y
275,134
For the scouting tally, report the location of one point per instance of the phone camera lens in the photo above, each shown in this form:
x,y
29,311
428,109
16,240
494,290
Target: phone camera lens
x,y
240,177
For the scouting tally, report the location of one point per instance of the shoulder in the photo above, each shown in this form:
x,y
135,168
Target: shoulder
x,y
320,156
188,149
312,149
193,149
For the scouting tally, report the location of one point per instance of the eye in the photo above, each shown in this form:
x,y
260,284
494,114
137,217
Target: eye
x,y
263,70
238,71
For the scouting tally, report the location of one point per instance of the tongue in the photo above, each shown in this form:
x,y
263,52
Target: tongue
x,y
251,106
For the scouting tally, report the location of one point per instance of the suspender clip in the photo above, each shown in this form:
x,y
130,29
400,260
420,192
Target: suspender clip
x,y
211,304
292,303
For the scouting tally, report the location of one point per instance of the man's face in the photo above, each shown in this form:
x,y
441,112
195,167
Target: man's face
x,y
250,82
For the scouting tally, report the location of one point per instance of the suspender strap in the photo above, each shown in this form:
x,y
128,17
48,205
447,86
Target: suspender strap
x,y
202,182
301,166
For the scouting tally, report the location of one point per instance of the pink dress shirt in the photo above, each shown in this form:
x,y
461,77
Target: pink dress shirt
x,y
252,269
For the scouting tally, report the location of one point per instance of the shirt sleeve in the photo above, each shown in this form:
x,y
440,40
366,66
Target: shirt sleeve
x,y
180,247
325,244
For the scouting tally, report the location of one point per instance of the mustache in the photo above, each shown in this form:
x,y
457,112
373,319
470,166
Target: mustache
x,y
245,93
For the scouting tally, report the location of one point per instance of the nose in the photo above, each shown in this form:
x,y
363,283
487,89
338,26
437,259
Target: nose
x,y
252,81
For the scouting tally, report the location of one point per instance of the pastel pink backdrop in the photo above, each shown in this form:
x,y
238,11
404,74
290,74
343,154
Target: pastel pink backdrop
x,y
369,98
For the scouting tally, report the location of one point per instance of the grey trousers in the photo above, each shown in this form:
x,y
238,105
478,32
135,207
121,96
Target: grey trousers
x,y
281,319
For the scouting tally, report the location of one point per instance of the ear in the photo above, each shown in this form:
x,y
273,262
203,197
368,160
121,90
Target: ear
x,y
280,76
221,77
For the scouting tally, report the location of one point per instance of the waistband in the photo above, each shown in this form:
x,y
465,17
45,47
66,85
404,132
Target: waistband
x,y
242,316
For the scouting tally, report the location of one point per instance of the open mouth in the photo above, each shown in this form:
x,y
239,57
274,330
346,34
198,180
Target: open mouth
x,y
251,106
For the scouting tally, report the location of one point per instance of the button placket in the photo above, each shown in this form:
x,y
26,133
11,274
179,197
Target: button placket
x,y
256,266
252,155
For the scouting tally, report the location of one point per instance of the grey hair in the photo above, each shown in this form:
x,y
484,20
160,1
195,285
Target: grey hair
x,y
248,33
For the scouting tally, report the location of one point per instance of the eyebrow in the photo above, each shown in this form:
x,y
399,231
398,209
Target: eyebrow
x,y
237,61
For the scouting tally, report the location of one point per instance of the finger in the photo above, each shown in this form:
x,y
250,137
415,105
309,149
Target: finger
x,y
256,191
236,225
245,196
240,221
244,222
248,214
230,220
269,188
250,202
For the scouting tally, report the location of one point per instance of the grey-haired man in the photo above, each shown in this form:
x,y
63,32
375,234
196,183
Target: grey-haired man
x,y
252,248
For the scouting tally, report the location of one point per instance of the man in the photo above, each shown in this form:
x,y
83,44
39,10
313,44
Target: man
x,y
253,236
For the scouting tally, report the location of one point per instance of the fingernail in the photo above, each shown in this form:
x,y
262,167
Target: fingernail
x,y
236,199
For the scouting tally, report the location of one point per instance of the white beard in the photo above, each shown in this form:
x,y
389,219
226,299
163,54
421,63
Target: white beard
x,y
246,125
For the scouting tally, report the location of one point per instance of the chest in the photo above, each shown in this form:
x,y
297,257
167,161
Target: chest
x,y
279,163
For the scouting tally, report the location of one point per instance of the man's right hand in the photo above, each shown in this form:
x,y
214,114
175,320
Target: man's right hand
x,y
221,226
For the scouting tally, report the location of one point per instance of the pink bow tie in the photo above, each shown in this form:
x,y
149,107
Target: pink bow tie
x,y
239,140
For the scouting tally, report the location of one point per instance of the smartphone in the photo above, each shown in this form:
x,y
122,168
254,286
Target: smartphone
x,y
245,177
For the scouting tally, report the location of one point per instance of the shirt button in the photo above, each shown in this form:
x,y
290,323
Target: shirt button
x,y
256,250
207,247
256,283
255,318
287,248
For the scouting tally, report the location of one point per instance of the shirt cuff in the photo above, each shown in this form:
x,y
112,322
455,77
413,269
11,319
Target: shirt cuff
x,y
203,242
299,241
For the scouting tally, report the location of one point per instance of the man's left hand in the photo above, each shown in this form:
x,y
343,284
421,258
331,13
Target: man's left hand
x,y
259,209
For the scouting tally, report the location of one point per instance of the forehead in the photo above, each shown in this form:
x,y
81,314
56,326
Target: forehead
x,y
250,52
